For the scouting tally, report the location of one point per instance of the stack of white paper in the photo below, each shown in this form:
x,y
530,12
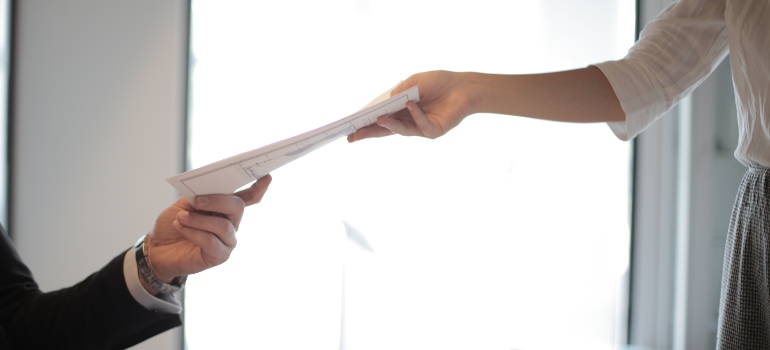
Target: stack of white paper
x,y
230,174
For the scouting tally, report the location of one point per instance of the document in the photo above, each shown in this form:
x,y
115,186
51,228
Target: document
x,y
230,174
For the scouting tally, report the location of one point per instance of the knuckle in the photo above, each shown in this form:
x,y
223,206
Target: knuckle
x,y
211,241
224,226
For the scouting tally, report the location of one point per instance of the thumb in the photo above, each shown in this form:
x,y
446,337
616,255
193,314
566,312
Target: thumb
x,y
405,84
254,194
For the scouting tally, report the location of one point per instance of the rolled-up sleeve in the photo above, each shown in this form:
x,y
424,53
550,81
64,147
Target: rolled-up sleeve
x,y
675,53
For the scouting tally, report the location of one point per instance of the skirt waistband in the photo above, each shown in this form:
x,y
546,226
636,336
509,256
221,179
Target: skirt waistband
x,y
759,168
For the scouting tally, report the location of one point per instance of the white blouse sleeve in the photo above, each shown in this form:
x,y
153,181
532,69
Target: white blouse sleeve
x,y
675,53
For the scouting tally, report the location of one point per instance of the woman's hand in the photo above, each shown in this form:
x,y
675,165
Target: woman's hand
x,y
445,100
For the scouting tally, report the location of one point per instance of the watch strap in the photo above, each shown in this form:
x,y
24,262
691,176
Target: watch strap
x,y
143,265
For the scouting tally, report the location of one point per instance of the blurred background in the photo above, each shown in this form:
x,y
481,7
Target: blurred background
x,y
507,233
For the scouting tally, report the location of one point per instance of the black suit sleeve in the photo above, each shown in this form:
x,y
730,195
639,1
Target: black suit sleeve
x,y
97,313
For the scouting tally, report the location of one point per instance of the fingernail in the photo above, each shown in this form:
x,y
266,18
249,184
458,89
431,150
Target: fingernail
x,y
202,201
184,216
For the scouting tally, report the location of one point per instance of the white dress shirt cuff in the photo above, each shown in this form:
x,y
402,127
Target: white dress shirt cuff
x,y
163,303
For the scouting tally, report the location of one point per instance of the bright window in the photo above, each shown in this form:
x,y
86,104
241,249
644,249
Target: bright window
x,y
507,233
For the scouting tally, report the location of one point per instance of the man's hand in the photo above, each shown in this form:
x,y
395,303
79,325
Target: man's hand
x,y
191,238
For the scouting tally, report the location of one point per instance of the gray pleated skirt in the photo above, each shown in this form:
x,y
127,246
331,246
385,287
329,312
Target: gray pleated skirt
x,y
744,310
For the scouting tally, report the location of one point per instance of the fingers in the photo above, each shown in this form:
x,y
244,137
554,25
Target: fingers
x,y
396,126
227,206
370,131
406,84
388,125
207,225
402,123
220,227
254,194
214,235
415,124
424,125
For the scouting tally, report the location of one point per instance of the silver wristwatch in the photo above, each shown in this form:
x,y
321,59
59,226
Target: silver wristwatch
x,y
144,269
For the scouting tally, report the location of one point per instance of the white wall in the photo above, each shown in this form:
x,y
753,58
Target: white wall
x,y
97,126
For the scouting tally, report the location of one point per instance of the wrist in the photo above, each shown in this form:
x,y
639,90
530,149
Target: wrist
x,y
146,285
147,243
147,276
475,86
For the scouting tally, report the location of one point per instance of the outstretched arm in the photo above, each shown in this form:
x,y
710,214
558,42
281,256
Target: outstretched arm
x,y
446,98
100,312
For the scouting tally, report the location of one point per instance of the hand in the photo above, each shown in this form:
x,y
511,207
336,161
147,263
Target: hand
x,y
445,100
189,238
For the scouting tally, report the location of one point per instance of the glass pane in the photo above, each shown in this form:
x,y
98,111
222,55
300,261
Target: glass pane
x,y
507,233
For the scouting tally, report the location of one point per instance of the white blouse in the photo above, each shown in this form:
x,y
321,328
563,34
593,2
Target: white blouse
x,y
680,48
